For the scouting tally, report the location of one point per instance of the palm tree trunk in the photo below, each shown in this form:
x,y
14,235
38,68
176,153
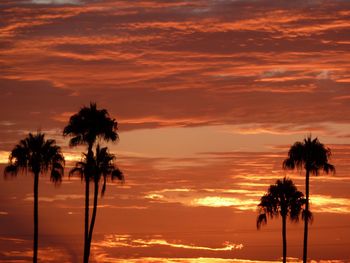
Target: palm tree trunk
x,y
306,219
87,196
36,220
284,237
93,217
86,226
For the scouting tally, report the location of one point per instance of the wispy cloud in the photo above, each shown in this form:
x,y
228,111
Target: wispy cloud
x,y
128,241
244,199
209,96
56,2
62,197
215,71
105,258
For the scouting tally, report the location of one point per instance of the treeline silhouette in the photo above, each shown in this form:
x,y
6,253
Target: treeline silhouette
x,y
39,155
284,199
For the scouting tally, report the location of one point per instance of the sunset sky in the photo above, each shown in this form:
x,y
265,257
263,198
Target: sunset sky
x,y
209,95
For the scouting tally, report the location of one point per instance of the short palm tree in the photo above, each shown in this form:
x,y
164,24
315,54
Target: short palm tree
x,y
102,166
282,199
312,156
85,127
37,155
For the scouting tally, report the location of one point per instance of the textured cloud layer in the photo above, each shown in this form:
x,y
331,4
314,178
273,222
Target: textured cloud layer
x,y
176,63
208,94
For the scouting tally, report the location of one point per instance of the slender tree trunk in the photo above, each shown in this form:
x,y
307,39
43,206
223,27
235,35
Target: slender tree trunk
x,y
306,219
93,217
284,238
87,196
36,220
86,226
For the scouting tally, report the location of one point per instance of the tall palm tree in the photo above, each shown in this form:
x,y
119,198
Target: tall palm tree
x,y
312,156
85,127
102,166
282,199
37,155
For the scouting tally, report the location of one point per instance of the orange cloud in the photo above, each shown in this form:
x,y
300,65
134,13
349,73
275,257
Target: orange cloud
x,y
105,258
128,241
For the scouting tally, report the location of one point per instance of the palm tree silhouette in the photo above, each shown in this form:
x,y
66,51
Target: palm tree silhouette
x,y
102,166
312,156
282,199
85,127
37,155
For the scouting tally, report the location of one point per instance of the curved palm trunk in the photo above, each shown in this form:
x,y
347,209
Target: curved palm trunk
x,y
36,220
87,196
93,217
306,219
284,238
86,226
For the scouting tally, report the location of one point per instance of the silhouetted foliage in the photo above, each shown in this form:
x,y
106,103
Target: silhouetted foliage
x,y
313,156
282,199
85,127
101,166
36,155
90,123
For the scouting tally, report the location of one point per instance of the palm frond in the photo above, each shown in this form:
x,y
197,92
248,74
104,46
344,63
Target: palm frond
x,y
282,198
328,168
90,123
56,176
38,155
118,174
11,169
307,215
261,220
311,155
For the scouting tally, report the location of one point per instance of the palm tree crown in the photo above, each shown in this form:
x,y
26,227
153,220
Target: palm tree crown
x,y
310,155
283,199
101,165
37,155
85,127
90,123
105,167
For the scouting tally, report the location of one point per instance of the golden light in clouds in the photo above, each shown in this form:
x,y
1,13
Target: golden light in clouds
x,y
330,204
68,156
4,157
128,241
154,196
72,157
217,201
104,258
241,199
208,95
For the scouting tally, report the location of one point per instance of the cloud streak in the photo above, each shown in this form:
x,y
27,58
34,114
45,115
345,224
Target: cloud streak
x,y
209,96
128,241
216,69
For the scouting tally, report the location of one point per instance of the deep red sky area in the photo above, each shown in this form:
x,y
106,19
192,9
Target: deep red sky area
x,y
208,94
